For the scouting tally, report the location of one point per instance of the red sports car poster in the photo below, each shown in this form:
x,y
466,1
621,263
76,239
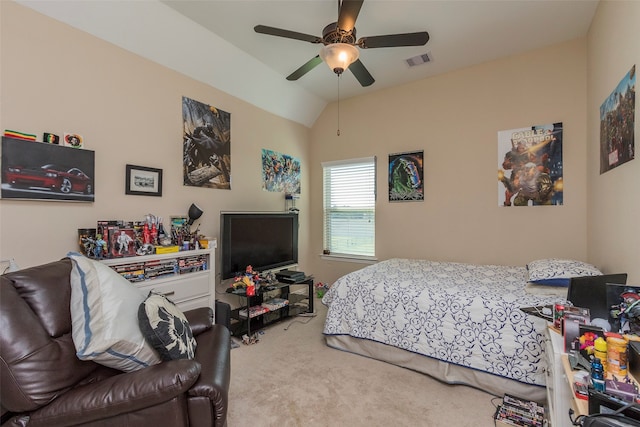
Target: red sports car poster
x,y
40,171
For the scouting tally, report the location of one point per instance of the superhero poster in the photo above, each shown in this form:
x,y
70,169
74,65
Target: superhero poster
x,y
406,177
280,172
530,166
206,139
617,122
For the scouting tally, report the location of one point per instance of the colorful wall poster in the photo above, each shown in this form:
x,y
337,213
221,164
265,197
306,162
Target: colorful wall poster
x,y
617,123
280,172
206,145
406,177
530,166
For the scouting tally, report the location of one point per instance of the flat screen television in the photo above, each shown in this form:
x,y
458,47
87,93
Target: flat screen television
x,y
264,240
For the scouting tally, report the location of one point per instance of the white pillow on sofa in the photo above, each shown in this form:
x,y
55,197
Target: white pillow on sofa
x,y
104,317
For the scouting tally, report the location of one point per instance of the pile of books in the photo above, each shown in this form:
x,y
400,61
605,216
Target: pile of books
x,y
519,412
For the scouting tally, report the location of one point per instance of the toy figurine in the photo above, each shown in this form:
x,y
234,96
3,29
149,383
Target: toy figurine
x,y
124,240
146,234
100,247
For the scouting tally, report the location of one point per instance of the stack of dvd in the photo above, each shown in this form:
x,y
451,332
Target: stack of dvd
x,y
254,311
133,272
275,303
519,412
160,268
192,263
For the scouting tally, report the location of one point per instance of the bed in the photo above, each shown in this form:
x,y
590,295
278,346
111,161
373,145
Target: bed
x,y
459,323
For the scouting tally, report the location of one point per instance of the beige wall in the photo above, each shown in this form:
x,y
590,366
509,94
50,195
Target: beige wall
x,y
455,118
57,79
614,198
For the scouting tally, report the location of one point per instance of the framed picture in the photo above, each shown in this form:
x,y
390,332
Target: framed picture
x,y
143,181
406,177
40,171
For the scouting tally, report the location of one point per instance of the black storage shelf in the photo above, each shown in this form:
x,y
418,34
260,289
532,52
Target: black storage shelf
x,y
240,325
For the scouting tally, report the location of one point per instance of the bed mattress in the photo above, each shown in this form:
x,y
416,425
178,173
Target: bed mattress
x,y
461,314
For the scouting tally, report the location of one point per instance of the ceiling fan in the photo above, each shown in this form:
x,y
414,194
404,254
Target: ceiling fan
x,y
339,48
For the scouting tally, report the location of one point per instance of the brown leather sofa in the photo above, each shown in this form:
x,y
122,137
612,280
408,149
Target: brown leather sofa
x,y
43,383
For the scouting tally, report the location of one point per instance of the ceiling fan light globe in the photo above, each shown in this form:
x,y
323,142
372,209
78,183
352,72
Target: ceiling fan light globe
x,y
338,56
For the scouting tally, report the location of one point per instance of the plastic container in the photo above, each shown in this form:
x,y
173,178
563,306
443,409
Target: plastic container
x,y
597,375
617,356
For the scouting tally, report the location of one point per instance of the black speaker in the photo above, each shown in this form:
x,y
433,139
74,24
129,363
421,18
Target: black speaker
x,y
223,314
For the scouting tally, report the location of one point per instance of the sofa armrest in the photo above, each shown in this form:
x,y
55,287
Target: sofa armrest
x,y
213,352
127,392
200,319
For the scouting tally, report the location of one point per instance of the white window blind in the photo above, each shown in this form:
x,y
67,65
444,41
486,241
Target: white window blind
x,y
349,207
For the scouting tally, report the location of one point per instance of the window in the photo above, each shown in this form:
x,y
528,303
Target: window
x,y
349,207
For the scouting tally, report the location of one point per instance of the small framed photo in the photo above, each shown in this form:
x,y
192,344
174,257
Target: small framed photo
x,y
143,181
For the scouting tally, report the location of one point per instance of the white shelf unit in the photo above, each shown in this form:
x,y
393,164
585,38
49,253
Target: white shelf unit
x,y
188,290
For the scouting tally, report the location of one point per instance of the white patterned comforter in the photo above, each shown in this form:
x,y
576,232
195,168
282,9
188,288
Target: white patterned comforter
x,y
459,313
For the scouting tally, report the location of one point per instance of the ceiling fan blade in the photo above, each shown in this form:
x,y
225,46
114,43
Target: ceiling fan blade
x,y
361,73
349,10
263,29
393,40
308,66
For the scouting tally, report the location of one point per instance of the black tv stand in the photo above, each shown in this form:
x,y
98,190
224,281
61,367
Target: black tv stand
x,y
244,321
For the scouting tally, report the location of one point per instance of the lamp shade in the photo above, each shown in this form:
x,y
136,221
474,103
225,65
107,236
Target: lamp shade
x,y
194,213
339,56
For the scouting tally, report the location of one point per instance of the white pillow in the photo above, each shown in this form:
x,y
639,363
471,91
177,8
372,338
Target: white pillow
x,y
104,317
558,272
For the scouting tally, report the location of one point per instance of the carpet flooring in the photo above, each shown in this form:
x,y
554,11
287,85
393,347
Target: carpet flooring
x,y
291,378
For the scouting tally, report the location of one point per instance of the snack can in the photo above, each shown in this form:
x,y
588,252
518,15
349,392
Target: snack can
x,y
617,356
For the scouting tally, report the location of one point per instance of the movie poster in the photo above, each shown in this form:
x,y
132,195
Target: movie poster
x,y
206,145
406,177
617,122
280,172
530,166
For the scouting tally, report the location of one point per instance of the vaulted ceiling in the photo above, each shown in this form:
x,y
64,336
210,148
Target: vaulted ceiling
x,y
214,41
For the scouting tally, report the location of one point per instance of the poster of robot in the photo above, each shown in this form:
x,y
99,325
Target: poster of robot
x,y
280,172
530,166
617,121
206,145
406,177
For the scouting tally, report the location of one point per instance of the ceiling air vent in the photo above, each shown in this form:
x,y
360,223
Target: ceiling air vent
x,y
419,60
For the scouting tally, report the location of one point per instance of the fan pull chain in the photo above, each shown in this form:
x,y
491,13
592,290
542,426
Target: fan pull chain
x,y
338,133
